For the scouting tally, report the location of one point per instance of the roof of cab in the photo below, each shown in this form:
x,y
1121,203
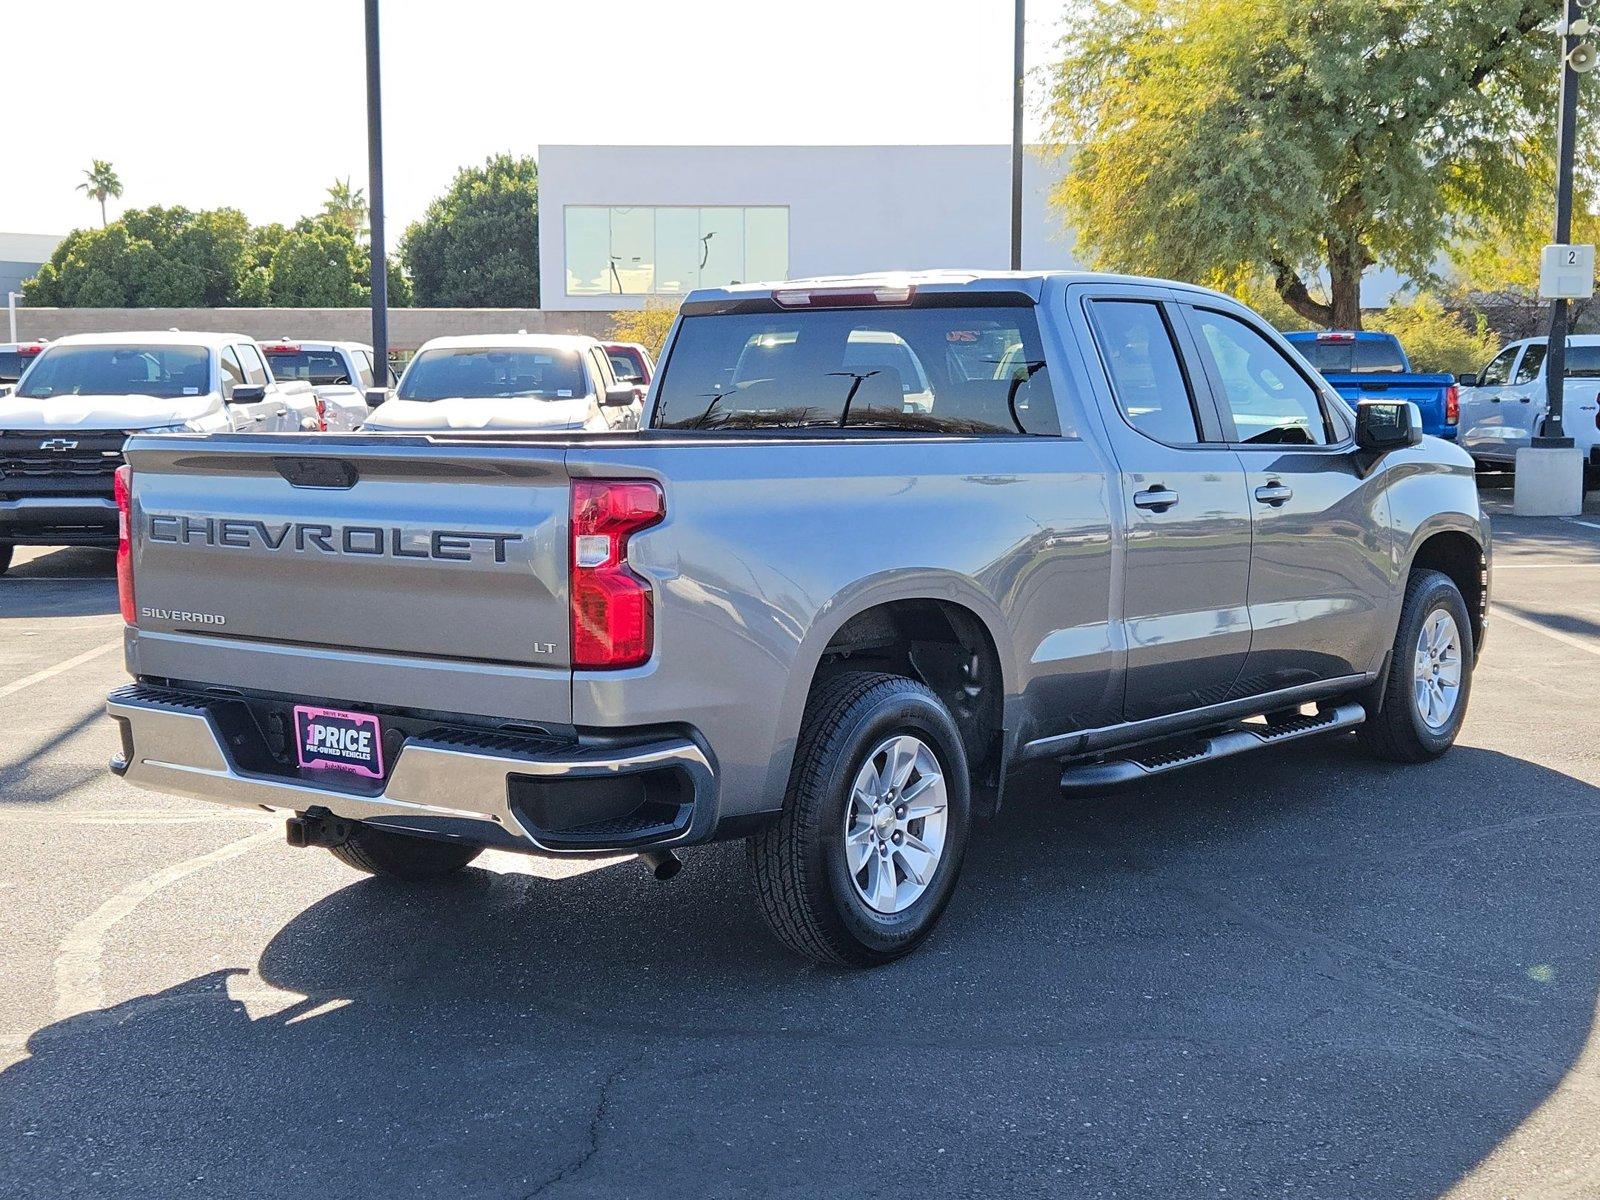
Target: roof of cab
x,y
152,337
510,341
1030,283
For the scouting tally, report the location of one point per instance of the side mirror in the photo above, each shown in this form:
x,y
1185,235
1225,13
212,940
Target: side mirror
x,y
620,396
248,393
1384,425
376,396
1467,380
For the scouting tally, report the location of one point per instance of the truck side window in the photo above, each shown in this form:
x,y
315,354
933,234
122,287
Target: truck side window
x,y
255,371
1499,368
1532,361
232,372
363,365
1271,402
1146,378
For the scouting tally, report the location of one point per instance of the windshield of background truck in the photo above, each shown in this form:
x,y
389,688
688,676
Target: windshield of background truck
x,y
937,370
489,373
165,371
1353,357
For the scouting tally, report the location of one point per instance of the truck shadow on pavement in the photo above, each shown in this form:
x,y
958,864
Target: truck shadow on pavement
x,y
65,583
1307,974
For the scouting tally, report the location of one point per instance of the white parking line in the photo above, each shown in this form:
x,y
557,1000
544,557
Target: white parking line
x,y
1585,524
51,672
77,967
1501,614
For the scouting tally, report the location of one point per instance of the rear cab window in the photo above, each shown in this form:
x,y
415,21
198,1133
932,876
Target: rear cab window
x,y
1352,356
312,366
965,370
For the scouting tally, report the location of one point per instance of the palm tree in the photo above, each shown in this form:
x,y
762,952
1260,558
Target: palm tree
x,y
347,207
100,183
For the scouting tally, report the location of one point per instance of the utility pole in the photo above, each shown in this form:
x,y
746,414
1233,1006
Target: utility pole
x,y
380,258
1016,141
1555,433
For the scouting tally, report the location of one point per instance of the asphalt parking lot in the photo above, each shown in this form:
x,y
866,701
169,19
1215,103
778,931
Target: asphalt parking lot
x,y
1303,974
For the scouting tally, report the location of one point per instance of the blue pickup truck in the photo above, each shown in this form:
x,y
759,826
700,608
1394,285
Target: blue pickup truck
x,y
1373,366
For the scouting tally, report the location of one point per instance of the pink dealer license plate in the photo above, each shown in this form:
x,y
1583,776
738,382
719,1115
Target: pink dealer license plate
x,y
331,739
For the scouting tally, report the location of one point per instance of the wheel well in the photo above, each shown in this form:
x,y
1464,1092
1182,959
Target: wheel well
x,y
1459,556
948,648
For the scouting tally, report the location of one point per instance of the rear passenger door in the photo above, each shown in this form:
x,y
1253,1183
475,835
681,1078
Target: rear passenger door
x,y
1186,559
1319,563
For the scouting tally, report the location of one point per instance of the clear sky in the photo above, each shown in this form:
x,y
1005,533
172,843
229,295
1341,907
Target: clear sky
x,y
260,106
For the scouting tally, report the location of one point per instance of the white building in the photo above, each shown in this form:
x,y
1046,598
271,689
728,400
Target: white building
x,y
21,256
620,223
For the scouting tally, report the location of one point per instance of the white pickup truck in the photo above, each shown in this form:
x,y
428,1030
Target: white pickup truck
x,y
527,382
1503,407
62,430
340,375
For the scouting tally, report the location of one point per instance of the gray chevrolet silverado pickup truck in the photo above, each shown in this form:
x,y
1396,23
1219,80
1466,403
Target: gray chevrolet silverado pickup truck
x,y
881,541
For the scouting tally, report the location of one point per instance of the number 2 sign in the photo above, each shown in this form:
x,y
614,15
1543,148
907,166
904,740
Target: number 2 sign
x,y
1566,273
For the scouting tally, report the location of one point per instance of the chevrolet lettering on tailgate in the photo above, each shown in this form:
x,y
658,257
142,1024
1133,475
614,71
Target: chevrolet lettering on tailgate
x,y
451,545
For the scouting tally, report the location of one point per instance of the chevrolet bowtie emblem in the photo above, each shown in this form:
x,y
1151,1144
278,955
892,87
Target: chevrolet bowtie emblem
x,y
61,444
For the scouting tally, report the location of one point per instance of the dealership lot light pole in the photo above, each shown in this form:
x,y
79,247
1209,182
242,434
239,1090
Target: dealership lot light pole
x,y
1549,470
1016,141
380,259
1555,433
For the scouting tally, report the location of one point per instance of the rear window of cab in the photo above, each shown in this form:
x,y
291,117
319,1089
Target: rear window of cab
x,y
951,370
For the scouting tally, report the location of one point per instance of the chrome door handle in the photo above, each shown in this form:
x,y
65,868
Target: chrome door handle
x,y
1157,499
1274,494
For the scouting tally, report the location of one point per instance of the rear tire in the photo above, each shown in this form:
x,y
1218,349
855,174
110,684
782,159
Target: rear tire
x,y
1430,675
865,855
402,856
5,557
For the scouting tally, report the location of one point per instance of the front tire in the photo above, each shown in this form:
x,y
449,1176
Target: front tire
x,y
1430,674
865,855
402,856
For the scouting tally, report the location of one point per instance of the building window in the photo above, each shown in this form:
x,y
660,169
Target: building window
x,y
642,251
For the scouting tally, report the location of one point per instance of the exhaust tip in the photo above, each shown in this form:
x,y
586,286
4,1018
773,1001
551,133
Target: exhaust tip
x,y
663,864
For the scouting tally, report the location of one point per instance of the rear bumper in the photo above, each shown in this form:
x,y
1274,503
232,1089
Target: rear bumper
x,y
492,789
59,521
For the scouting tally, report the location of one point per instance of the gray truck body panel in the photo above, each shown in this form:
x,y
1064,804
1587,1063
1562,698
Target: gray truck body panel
x,y
1110,623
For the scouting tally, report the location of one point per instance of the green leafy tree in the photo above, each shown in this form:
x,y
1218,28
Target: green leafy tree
x,y
149,258
648,326
1220,140
317,264
477,246
100,183
1437,339
346,207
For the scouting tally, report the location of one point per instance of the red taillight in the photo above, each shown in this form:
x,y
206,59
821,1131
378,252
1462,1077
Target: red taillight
x,y
1452,405
122,489
613,610
34,349
322,414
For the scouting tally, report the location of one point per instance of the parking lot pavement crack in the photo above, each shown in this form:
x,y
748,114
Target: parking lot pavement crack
x,y
597,1122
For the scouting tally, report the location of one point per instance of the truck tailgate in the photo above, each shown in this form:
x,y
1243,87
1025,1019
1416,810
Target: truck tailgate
x,y
388,547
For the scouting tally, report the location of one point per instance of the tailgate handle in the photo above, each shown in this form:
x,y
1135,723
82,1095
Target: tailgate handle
x,y
317,472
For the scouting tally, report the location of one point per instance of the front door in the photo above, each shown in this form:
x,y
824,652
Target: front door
x,y
1320,574
1186,561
